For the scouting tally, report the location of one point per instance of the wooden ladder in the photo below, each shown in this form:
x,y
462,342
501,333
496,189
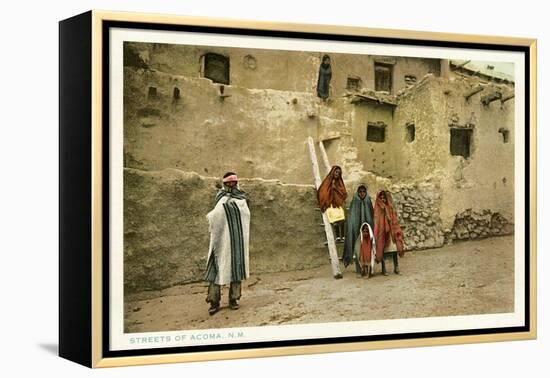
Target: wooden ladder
x,y
328,228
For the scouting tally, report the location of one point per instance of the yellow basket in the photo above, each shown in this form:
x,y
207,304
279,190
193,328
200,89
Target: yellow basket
x,y
335,214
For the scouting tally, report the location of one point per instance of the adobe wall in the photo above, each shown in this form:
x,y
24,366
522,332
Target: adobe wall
x,y
256,132
474,190
175,150
295,71
166,234
377,157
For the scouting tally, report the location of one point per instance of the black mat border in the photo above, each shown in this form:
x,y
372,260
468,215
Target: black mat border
x,y
106,25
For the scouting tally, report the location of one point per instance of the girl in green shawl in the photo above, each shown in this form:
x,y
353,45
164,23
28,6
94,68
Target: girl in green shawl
x,y
360,211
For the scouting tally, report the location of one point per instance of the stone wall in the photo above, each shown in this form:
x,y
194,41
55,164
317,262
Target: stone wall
x,y
471,224
418,208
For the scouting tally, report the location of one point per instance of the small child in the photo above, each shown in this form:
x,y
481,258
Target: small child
x,y
367,251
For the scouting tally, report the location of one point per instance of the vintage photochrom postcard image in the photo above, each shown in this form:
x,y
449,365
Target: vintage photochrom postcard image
x,y
278,189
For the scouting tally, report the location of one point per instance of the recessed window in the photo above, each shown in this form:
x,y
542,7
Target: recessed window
x,y
216,68
505,134
376,132
461,141
383,77
410,132
176,94
410,79
353,84
152,92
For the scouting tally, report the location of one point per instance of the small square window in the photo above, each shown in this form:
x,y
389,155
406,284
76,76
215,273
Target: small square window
x,y
505,134
216,68
376,132
410,79
353,84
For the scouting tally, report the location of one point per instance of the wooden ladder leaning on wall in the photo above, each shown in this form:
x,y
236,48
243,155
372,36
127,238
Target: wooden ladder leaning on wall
x,y
333,254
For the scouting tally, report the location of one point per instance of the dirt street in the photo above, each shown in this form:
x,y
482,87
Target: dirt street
x,y
475,277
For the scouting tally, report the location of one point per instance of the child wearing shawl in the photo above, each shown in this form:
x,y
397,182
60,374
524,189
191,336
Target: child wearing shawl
x,y
387,231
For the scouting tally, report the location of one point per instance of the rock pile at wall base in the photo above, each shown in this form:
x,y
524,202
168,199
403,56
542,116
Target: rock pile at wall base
x,y
471,224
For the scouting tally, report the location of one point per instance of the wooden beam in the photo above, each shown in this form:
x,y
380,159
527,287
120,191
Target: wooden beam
x,y
478,88
487,99
462,64
333,254
507,97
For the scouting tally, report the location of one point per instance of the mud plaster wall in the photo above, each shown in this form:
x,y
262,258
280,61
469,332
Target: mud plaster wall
x,y
279,69
166,232
482,183
413,67
428,152
256,132
249,68
486,179
261,133
377,157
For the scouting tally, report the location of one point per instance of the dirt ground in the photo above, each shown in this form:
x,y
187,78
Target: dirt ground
x,y
474,277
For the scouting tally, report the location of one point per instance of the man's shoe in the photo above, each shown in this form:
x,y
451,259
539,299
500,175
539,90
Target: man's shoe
x,y
396,270
214,308
233,304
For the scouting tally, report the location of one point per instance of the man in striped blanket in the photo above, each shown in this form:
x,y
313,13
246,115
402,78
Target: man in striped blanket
x,y
229,225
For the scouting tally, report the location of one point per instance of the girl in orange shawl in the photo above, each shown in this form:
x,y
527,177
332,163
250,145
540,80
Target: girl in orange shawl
x,y
387,231
367,250
332,192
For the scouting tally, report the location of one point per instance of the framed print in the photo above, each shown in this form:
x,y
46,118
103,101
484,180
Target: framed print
x,y
233,189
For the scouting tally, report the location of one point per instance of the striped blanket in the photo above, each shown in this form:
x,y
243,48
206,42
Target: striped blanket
x,y
229,225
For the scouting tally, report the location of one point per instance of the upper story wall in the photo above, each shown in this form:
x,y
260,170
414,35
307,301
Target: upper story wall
x,y
376,156
283,70
484,179
254,132
437,107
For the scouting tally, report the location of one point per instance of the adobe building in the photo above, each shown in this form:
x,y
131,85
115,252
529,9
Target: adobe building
x,y
438,134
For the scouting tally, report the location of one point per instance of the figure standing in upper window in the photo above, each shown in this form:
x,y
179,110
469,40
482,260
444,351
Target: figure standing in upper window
x,y
323,82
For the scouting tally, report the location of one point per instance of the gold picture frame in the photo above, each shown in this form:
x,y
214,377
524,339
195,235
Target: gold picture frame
x,y
85,202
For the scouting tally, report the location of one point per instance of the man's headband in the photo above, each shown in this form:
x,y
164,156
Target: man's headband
x,y
230,178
